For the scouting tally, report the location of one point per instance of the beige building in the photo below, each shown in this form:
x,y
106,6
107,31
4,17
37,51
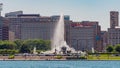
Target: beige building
x,y
11,36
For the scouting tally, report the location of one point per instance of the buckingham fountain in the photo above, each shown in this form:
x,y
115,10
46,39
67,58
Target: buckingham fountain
x,y
58,44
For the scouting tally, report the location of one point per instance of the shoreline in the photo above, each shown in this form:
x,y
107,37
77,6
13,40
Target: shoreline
x,y
47,58
31,58
55,60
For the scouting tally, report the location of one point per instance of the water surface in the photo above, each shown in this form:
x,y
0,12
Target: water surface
x,y
59,64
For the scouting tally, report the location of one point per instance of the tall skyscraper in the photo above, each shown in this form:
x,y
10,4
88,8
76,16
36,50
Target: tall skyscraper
x,y
114,30
114,19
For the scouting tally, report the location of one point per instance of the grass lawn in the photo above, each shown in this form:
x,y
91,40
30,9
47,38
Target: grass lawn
x,y
103,57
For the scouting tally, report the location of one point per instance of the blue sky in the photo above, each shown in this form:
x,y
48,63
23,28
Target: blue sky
x,y
79,10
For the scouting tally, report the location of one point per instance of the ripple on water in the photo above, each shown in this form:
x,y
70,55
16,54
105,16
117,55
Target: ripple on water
x,y
59,64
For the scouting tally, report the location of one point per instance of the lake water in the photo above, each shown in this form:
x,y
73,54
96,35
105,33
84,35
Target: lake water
x,y
59,64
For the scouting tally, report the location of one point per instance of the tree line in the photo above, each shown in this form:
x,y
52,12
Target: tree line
x,y
23,46
114,49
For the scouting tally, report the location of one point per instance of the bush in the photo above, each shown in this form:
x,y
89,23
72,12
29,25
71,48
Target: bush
x,y
117,48
5,51
58,57
38,51
110,48
82,57
11,57
76,58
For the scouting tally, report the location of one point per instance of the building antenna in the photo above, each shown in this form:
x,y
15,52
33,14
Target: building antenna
x,y
1,4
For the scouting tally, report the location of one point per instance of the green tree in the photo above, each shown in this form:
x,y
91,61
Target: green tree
x,y
29,43
117,48
38,43
18,43
47,43
43,45
25,49
7,45
110,48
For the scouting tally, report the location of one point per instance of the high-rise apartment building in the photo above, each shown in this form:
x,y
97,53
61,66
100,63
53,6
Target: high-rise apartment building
x,y
4,29
114,19
114,30
33,26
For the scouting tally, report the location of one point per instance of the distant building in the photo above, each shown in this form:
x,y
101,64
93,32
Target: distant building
x,y
104,39
33,26
114,30
13,14
85,35
114,36
11,36
114,19
4,29
56,17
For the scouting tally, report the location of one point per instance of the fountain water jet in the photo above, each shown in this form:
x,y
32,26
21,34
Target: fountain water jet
x,y
58,38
